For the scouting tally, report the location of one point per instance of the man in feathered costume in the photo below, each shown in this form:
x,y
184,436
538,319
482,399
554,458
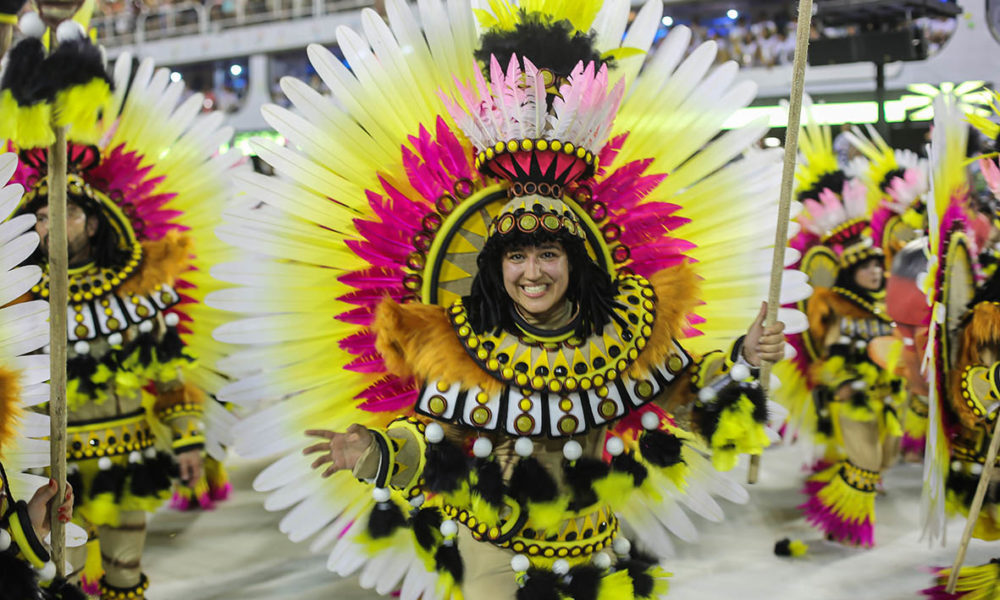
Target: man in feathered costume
x,y
506,351
133,293
853,398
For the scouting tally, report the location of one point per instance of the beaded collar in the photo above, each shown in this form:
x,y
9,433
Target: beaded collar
x,y
868,305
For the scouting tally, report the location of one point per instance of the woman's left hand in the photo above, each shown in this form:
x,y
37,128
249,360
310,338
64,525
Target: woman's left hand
x,y
762,343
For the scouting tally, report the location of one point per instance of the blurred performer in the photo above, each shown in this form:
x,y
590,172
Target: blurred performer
x,y
143,192
523,356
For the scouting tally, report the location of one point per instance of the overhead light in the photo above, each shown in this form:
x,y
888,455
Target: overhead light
x,y
235,70
175,77
667,20
733,14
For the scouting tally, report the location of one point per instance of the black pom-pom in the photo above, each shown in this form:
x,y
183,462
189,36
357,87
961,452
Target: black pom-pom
x,y
145,343
162,469
445,468
539,585
19,580
782,547
489,482
548,45
660,448
448,560
23,64
859,398
531,482
108,481
626,463
638,571
82,368
425,525
706,415
60,589
385,519
140,479
580,477
584,583
171,346
72,63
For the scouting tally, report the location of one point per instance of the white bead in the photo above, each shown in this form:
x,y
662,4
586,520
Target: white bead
x,y
449,528
706,394
621,546
572,450
615,446
146,326
47,349
134,457
482,448
4,540
115,339
739,372
47,572
520,563
151,452
859,385
844,340
81,347
31,25
71,469
417,501
602,561
976,469
434,433
524,447
650,420
560,567
381,494
104,464
171,319
69,31
860,344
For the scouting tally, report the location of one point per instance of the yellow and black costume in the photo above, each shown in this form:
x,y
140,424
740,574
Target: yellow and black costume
x,y
499,446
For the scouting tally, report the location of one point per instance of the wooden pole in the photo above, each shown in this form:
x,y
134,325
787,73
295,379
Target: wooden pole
x,y
802,29
6,36
977,503
58,297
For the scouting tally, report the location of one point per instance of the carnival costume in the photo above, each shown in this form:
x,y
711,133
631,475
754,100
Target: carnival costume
x,y
963,341
896,181
503,444
145,166
25,568
832,389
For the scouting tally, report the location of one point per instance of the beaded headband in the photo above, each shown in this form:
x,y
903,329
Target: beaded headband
x,y
528,216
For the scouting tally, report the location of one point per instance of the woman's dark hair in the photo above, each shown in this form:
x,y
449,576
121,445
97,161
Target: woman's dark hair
x,y
845,279
590,288
105,248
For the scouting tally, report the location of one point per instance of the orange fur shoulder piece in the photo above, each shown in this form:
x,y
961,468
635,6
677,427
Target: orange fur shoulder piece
x,y
163,261
417,340
10,409
825,302
677,294
980,332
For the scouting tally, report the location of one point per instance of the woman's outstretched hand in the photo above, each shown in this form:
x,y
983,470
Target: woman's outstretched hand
x,y
341,450
762,343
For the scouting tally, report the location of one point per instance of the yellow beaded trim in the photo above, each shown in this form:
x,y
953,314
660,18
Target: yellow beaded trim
x,y
967,393
177,410
865,304
860,479
136,593
528,145
108,438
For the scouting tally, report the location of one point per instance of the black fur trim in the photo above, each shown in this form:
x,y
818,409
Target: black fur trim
x,y
140,478
385,519
72,63
18,579
707,414
171,347
783,547
584,583
11,7
108,481
539,585
60,589
23,64
426,523
446,467
834,181
626,463
548,45
145,343
889,177
660,448
638,571
448,559
580,477
531,482
82,368
162,469
75,480
489,482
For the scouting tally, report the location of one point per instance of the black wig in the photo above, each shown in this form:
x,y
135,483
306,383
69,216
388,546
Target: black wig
x,y
590,288
845,278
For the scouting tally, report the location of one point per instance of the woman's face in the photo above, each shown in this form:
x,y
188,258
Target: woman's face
x,y
869,275
536,278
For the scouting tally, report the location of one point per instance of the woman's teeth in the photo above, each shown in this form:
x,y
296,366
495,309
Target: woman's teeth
x,y
534,289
